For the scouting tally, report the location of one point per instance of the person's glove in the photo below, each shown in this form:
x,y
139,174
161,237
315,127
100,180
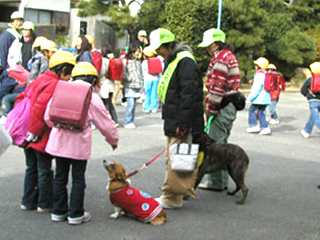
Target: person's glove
x,y
182,132
31,137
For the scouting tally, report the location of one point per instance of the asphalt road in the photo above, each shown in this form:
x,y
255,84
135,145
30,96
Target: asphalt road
x,y
282,204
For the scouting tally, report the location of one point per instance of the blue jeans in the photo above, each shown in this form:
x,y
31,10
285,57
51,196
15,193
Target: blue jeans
x,y
38,181
151,101
60,193
273,112
314,107
261,113
130,110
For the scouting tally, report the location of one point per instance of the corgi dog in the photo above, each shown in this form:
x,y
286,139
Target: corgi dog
x,y
129,200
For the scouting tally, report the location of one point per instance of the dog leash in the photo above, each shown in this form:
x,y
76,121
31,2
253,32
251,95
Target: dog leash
x,y
146,165
209,123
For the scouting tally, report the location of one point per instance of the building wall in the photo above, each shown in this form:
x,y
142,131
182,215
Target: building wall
x,y
101,32
52,5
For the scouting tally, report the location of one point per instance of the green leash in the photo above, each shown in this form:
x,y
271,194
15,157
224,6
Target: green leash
x,y
209,122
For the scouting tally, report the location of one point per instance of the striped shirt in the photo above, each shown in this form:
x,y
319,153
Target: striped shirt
x,y
223,76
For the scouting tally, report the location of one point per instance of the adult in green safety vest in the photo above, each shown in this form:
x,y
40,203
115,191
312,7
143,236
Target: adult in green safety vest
x,y
8,36
223,79
181,92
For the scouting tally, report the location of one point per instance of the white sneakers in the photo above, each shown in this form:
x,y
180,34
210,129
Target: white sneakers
x,y
257,129
58,218
274,121
265,131
72,221
304,133
130,126
86,217
254,129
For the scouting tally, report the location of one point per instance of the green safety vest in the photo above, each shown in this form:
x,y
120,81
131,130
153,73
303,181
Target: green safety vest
x,y
166,77
14,32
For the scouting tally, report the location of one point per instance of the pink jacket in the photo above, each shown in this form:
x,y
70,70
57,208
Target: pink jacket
x,y
77,145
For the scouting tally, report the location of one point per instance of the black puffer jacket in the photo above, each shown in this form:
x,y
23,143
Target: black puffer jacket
x,y
183,105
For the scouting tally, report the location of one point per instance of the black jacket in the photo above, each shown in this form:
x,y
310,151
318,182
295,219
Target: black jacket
x,y
184,99
305,90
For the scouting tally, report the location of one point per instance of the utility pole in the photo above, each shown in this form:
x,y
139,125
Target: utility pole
x,y
219,14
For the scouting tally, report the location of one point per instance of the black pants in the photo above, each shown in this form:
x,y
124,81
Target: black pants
x,y
60,192
110,108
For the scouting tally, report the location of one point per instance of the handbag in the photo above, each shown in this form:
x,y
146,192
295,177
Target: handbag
x,y
5,140
184,156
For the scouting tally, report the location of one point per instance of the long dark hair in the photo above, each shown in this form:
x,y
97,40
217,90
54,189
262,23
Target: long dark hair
x,y
105,50
85,45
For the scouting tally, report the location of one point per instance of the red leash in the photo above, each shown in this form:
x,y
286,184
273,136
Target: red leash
x,y
144,166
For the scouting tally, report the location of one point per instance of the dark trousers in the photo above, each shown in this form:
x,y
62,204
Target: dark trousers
x,y
60,192
110,108
38,180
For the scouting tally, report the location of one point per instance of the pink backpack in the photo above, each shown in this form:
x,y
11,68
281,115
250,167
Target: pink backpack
x,y
70,105
18,120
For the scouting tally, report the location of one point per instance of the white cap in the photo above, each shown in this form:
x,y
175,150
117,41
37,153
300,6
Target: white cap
x,y
142,33
16,15
212,35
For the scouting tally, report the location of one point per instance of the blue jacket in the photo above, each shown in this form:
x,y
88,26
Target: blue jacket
x,y
257,94
6,39
84,57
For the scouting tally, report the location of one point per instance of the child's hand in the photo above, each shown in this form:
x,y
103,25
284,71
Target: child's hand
x,y
114,147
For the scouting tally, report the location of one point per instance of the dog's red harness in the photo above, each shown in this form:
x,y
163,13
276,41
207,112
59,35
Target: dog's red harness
x,y
137,203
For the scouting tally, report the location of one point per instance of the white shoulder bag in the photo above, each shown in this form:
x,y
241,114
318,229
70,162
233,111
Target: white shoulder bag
x,y
184,156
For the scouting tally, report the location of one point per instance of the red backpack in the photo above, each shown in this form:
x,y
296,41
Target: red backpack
x,y
116,69
70,105
315,82
271,82
154,65
96,59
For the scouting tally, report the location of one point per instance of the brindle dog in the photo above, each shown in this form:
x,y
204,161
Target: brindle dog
x,y
228,157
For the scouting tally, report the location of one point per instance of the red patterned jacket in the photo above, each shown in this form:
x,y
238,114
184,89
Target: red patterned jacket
x,y
223,76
